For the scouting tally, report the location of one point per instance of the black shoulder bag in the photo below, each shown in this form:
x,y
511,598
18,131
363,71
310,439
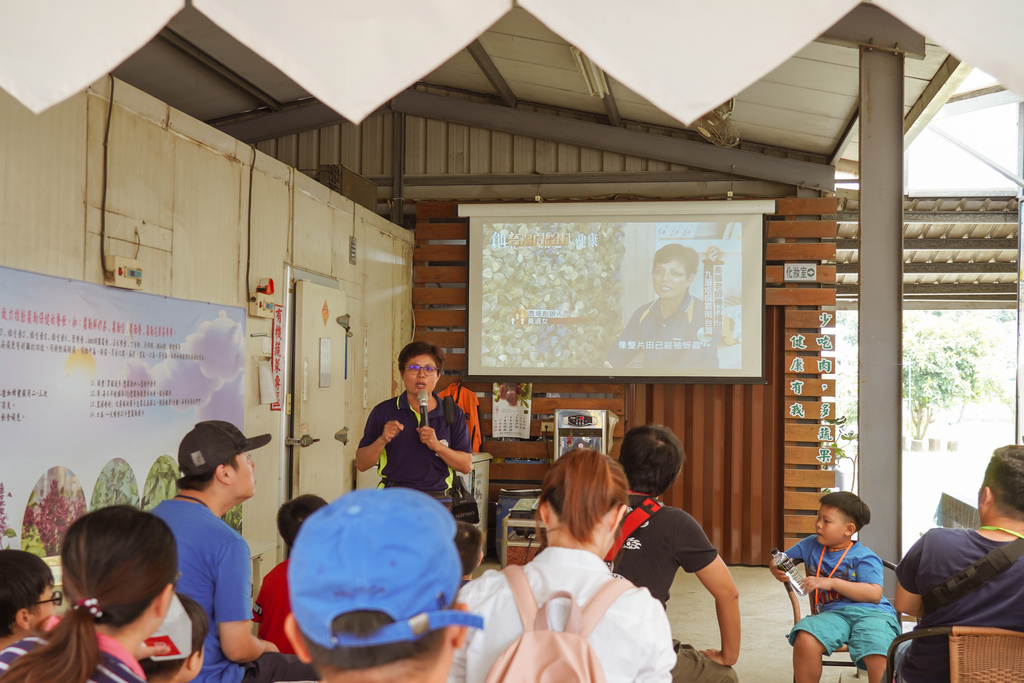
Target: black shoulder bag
x,y
464,507
973,577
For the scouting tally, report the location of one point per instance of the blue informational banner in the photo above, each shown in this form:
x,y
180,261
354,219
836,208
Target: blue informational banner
x,y
98,386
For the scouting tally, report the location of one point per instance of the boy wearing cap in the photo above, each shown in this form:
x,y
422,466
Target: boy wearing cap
x,y
373,578
217,473
191,626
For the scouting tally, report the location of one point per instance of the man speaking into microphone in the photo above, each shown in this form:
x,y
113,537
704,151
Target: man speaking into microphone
x,y
408,437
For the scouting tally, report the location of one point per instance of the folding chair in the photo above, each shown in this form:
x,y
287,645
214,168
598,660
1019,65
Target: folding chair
x,y
977,654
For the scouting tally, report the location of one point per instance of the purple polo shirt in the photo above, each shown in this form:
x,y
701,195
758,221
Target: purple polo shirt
x,y
407,461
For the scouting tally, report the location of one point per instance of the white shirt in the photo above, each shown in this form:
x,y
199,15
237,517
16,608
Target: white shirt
x,y
633,640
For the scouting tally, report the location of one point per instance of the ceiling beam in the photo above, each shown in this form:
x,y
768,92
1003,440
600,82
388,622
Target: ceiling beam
x,y
937,93
944,244
852,126
292,118
212,64
975,100
597,136
611,107
872,26
622,178
483,60
945,217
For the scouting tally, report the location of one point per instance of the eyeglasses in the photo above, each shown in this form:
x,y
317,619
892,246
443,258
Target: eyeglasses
x,y
427,369
57,599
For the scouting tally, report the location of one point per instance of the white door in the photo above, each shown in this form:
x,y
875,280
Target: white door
x,y
321,462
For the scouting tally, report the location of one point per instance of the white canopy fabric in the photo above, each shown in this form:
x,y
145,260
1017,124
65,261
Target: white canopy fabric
x,y
355,55
52,49
684,56
984,33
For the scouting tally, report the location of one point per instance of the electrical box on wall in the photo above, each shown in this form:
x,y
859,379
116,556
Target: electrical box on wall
x,y
261,306
123,272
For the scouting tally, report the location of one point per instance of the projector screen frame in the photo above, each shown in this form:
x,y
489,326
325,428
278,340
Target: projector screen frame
x,y
752,368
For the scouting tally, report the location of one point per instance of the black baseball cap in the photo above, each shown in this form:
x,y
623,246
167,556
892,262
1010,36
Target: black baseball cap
x,y
213,443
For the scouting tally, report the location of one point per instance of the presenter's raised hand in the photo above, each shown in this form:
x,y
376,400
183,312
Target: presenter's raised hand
x,y
429,438
391,429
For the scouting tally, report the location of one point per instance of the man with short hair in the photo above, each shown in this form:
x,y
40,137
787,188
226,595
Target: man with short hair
x,y
27,598
373,578
941,553
217,473
652,457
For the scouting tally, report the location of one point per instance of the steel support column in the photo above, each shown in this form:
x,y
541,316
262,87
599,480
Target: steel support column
x,y
397,167
1019,436
880,324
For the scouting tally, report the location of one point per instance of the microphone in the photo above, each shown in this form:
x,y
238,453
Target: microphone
x,y
424,398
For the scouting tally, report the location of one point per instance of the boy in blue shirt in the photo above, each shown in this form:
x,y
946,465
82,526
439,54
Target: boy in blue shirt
x,y
844,586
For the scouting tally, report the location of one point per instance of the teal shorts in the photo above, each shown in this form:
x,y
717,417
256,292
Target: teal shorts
x,y
865,630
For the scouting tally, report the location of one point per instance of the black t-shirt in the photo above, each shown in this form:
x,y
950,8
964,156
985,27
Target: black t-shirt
x,y
667,541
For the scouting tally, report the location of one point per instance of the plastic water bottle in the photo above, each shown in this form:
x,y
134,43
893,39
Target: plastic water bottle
x,y
783,562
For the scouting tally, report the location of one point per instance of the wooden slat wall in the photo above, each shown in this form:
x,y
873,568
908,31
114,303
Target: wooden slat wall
x,y
747,484
732,435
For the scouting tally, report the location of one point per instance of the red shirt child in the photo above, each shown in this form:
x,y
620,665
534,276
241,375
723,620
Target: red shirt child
x,y
272,603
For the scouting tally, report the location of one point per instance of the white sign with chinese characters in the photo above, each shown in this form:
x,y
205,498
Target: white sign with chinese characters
x,y
98,387
800,272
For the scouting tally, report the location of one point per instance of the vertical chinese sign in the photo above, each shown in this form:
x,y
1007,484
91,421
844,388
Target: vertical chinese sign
x,y
98,387
800,276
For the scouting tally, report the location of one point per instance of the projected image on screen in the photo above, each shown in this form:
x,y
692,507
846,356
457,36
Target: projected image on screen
x,y
599,296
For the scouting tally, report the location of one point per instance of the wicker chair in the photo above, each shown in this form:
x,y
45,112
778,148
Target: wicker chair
x,y
794,600
977,654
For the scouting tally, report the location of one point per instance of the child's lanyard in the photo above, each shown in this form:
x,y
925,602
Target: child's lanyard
x,y
822,557
999,528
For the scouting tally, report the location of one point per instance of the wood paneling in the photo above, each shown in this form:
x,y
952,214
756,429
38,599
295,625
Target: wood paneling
x,y
796,229
733,440
801,252
776,296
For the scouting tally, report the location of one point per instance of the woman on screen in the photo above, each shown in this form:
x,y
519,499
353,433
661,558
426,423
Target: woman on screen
x,y
671,331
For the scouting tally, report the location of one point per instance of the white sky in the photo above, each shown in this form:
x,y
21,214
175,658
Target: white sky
x,y
935,164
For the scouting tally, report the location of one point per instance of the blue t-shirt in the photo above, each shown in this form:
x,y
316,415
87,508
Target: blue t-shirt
x,y
407,461
860,565
935,557
216,572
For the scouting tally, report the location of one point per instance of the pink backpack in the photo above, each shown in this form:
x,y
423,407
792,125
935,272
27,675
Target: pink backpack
x,y
543,655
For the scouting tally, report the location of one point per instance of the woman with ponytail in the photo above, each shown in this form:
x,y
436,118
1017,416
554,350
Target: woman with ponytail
x,y
581,504
119,568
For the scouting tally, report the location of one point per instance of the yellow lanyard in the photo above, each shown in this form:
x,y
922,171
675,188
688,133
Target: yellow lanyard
x,y
817,573
999,528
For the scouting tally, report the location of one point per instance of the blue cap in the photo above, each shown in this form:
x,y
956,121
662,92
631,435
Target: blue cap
x,y
385,550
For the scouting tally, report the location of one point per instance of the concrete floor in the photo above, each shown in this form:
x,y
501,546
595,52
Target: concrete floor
x,y
766,614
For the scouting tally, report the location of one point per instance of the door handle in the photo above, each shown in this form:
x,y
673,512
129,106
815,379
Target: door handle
x,y
306,440
342,435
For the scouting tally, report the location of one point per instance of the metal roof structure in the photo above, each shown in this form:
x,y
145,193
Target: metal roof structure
x,y
796,125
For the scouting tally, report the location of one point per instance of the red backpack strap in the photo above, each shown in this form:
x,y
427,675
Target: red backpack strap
x,y
640,514
526,602
599,603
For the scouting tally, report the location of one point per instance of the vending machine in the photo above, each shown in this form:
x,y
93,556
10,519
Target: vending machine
x,y
583,429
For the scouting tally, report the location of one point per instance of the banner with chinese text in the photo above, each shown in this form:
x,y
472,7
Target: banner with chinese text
x,y
98,387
